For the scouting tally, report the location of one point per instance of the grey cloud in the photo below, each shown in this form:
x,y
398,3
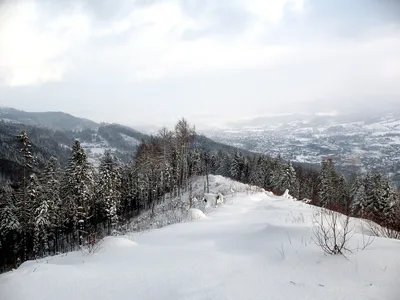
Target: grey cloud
x,y
340,19
223,21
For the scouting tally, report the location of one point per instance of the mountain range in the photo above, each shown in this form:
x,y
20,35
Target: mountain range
x,y
357,142
53,133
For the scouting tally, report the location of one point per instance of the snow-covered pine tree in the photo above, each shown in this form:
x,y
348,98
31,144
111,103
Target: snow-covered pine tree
x,y
10,227
78,192
327,186
341,197
224,161
277,174
9,221
38,219
22,204
357,195
237,166
109,185
377,192
256,176
292,182
50,181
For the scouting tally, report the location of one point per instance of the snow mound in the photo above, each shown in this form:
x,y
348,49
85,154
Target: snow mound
x,y
174,209
116,242
196,214
287,196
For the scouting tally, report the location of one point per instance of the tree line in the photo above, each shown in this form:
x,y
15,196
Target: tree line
x,y
61,209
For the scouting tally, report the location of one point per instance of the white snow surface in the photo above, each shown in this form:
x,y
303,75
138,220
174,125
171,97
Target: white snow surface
x,y
196,214
255,246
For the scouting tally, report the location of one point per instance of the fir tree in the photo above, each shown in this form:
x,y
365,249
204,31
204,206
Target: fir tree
x,y
78,191
22,203
50,181
288,180
327,187
377,197
109,189
9,221
358,196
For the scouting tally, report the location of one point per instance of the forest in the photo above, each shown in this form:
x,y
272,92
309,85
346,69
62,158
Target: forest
x,y
51,209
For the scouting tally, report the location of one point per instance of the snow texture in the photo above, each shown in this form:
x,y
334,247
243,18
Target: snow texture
x,y
196,214
212,200
255,246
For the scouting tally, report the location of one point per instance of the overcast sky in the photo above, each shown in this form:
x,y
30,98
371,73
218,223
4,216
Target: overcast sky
x,y
151,62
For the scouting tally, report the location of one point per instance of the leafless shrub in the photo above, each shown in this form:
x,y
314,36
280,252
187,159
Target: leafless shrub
x,y
381,231
367,240
92,245
332,232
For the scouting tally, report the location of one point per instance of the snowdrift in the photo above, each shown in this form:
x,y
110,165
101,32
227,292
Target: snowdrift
x,y
196,214
175,210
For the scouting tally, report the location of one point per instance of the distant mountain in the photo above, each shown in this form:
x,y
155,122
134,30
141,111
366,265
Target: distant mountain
x,y
53,120
53,133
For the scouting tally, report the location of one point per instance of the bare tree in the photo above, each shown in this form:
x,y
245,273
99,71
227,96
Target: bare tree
x,y
332,231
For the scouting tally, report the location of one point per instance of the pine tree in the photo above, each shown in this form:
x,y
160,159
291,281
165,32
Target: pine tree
x,y
78,192
34,193
327,187
109,186
358,196
27,161
378,196
287,180
9,221
276,174
50,198
257,169
237,166
341,196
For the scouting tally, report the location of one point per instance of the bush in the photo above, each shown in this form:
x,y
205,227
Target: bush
x,y
332,231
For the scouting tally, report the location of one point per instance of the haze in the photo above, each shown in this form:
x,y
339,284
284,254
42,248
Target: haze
x,y
152,62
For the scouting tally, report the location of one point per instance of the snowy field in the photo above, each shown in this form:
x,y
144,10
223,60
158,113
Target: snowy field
x,y
255,246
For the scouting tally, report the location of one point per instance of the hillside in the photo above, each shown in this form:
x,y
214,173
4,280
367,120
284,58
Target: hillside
x,y
53,133
255,246
53,120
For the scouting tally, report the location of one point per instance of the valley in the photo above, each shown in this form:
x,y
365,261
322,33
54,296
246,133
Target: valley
x,y
355,144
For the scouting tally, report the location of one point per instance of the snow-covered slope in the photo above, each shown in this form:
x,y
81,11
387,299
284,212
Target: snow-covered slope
x,y
255,246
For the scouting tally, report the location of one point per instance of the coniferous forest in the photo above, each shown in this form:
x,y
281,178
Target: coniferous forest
x,y
54,209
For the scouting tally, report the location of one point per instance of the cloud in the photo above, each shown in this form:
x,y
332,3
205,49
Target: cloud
x,y
38,47
32,49
163,59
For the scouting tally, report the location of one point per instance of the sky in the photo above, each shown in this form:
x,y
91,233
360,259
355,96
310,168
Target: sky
x,y
151,62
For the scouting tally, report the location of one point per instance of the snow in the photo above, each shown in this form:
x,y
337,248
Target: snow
x,y
254,246
129,139
213,199
5,120
196,214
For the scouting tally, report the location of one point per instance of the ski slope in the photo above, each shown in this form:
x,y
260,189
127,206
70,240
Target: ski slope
x,y
255,246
